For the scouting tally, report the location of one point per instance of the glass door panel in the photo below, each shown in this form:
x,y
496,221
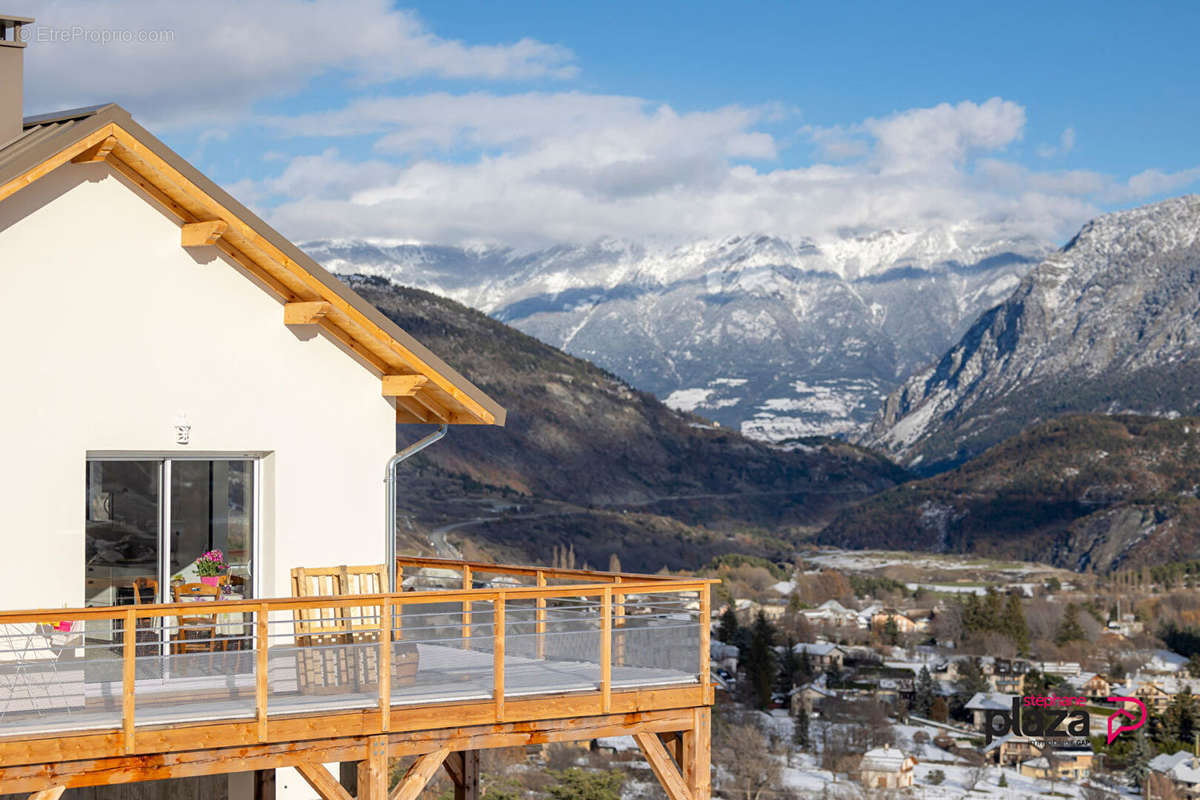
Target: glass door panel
x,y
212,509
122,534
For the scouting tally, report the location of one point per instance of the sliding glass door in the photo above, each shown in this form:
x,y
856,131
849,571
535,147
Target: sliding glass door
x,y
152,518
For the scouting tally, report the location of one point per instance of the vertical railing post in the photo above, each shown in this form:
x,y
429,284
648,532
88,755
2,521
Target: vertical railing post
x,y
705,633
540,624
606,618
498,655
128,678
619,656
262,640
385,665
466,608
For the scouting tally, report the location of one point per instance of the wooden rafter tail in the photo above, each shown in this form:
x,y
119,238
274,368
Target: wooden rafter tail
x,y
306,312
403,385
97,152
203,234
664,768
418,775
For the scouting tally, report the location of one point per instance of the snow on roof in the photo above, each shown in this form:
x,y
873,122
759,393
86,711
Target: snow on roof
x,y
1179,766
989,701
815,649
784,587
883,759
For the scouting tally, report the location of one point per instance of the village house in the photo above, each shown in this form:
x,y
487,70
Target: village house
x,y
1066,764
201,477
822,655
1096,687
886,768
982,702
1004,675
881,619
1174,776
831,613
1150,692
1011,749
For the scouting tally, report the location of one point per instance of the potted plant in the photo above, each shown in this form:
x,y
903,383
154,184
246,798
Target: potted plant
x,y
211,566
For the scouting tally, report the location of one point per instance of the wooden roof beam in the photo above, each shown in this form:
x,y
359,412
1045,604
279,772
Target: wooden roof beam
x,y
307,312
97,152
203,234
403,385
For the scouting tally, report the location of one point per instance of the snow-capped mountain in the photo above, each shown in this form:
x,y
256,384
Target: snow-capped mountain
x,y
780,338
1109,323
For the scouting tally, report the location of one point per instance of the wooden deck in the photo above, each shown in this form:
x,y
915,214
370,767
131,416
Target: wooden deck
x,y
520,656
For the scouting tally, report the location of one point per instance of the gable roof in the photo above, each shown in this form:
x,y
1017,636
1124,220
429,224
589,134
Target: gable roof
x,y
425,388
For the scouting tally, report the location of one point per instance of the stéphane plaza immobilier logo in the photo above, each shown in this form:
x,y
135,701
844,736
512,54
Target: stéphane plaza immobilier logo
x,y
1059,721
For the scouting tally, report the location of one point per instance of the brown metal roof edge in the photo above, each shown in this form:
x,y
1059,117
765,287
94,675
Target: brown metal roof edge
x,y
93,118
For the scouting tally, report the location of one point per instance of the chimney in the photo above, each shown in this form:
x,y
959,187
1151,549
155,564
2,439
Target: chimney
x,y
11,76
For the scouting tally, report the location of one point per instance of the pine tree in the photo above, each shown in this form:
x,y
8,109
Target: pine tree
x,y
971,679
1138,761
939,711
923,694
1069,630
727,632
804,670
1014,624
800,728
789,668
760,660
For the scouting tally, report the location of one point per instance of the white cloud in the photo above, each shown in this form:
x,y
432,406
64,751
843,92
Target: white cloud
x,y
214,60
535,168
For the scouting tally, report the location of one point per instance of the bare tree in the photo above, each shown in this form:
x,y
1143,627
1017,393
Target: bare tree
x,y
744,753
976,774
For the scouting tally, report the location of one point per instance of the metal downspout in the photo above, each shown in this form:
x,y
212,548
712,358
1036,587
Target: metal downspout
x,y
390,480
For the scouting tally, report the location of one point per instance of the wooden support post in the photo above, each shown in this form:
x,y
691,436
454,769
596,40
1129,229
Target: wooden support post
x,y
606,617
264,784
463,769
466,608
261,640
619,622
540,625
322,782
498,655
664,768
373,772
418,775
468,789
705,633
385,665
697,754
128,676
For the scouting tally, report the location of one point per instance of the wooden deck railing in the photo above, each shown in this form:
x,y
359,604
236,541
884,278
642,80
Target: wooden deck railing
x,y
616,642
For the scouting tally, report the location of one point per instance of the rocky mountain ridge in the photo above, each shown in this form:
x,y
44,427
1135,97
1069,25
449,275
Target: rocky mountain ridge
x,y
776,338
1109,323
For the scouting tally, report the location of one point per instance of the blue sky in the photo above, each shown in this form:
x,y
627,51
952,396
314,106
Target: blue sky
x,y
527,123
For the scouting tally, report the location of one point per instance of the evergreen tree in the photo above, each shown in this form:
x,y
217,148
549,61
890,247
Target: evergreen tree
x,y
891,631
800,736
1069,630
1139,761
1179,721
971,679
789,668
760,660
1014,623
727,632
804,669
923,695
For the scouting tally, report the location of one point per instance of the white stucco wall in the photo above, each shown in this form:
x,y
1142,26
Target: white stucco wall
x,y
109,331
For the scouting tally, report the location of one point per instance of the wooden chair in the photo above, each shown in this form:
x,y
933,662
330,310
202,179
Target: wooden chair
x,y
145,590
196,633
333,663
